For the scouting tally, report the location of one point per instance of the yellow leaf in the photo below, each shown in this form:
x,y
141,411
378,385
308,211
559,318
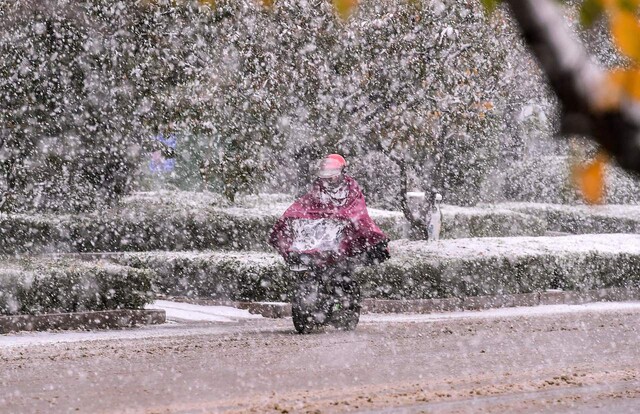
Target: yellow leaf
x,y
210,3
589,178
345,8
609,91
488,105
619,4
625,30
267,3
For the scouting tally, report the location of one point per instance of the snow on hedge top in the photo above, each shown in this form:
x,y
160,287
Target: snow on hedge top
x,y
519,246
45,265
622,211
175,199
267,205
479,210
243,257
446,249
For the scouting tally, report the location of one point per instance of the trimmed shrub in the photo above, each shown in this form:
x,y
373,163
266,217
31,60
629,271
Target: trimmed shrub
x,y
198,221
228,275
464,222
37,286
24,233
417,270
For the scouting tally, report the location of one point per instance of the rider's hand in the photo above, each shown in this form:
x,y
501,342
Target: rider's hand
x,y
378,253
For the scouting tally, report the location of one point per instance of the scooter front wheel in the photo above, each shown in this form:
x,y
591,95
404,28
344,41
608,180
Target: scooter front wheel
x,y
301,320
347,316
304,307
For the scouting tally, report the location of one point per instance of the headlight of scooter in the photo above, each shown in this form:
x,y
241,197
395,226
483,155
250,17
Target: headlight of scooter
x,y
302,263
305,259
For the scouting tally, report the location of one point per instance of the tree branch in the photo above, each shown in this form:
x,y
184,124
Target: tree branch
x,y
579,84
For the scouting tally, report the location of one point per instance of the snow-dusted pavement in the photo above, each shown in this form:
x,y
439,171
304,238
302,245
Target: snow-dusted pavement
x,y
559,358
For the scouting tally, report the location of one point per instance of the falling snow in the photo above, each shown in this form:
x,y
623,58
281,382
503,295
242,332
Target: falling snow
x,y
150,155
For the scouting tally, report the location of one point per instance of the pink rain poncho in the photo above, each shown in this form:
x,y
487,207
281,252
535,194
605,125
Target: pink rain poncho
x,y
334,212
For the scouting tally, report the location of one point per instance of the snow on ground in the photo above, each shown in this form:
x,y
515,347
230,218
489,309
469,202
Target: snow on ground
x,y
182,320
183,327
170,329
190,312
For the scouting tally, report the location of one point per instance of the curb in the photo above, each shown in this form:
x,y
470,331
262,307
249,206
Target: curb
x,y
109,319
501,301
471,303
274,310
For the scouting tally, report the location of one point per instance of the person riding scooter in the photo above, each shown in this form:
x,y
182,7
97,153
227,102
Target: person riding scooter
x,y
322,236
334,195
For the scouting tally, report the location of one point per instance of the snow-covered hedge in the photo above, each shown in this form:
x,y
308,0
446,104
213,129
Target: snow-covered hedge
x,y
134,228
580,219
35,286
197,221
246,275
23,233
464,222
494,266
417,270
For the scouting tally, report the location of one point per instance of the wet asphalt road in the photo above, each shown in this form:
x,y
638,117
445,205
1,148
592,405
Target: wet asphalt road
x,y
586,361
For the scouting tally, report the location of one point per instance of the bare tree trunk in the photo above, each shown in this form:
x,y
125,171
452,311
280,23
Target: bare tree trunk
x,y
579,84
418,224
439,170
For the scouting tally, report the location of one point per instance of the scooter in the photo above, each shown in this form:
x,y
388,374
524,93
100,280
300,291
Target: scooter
x,y
325,292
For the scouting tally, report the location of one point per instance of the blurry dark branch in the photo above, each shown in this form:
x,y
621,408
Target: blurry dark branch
x,y
578,83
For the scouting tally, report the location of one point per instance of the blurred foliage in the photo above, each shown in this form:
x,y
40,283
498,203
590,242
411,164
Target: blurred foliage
x,y
38,286
622,83
408,80
589,178
345,8
82,87
254,89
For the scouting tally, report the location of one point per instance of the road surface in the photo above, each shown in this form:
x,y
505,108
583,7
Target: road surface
x,y
556,359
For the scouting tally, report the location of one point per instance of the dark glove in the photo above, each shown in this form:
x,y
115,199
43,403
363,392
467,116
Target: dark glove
x,y
378,253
